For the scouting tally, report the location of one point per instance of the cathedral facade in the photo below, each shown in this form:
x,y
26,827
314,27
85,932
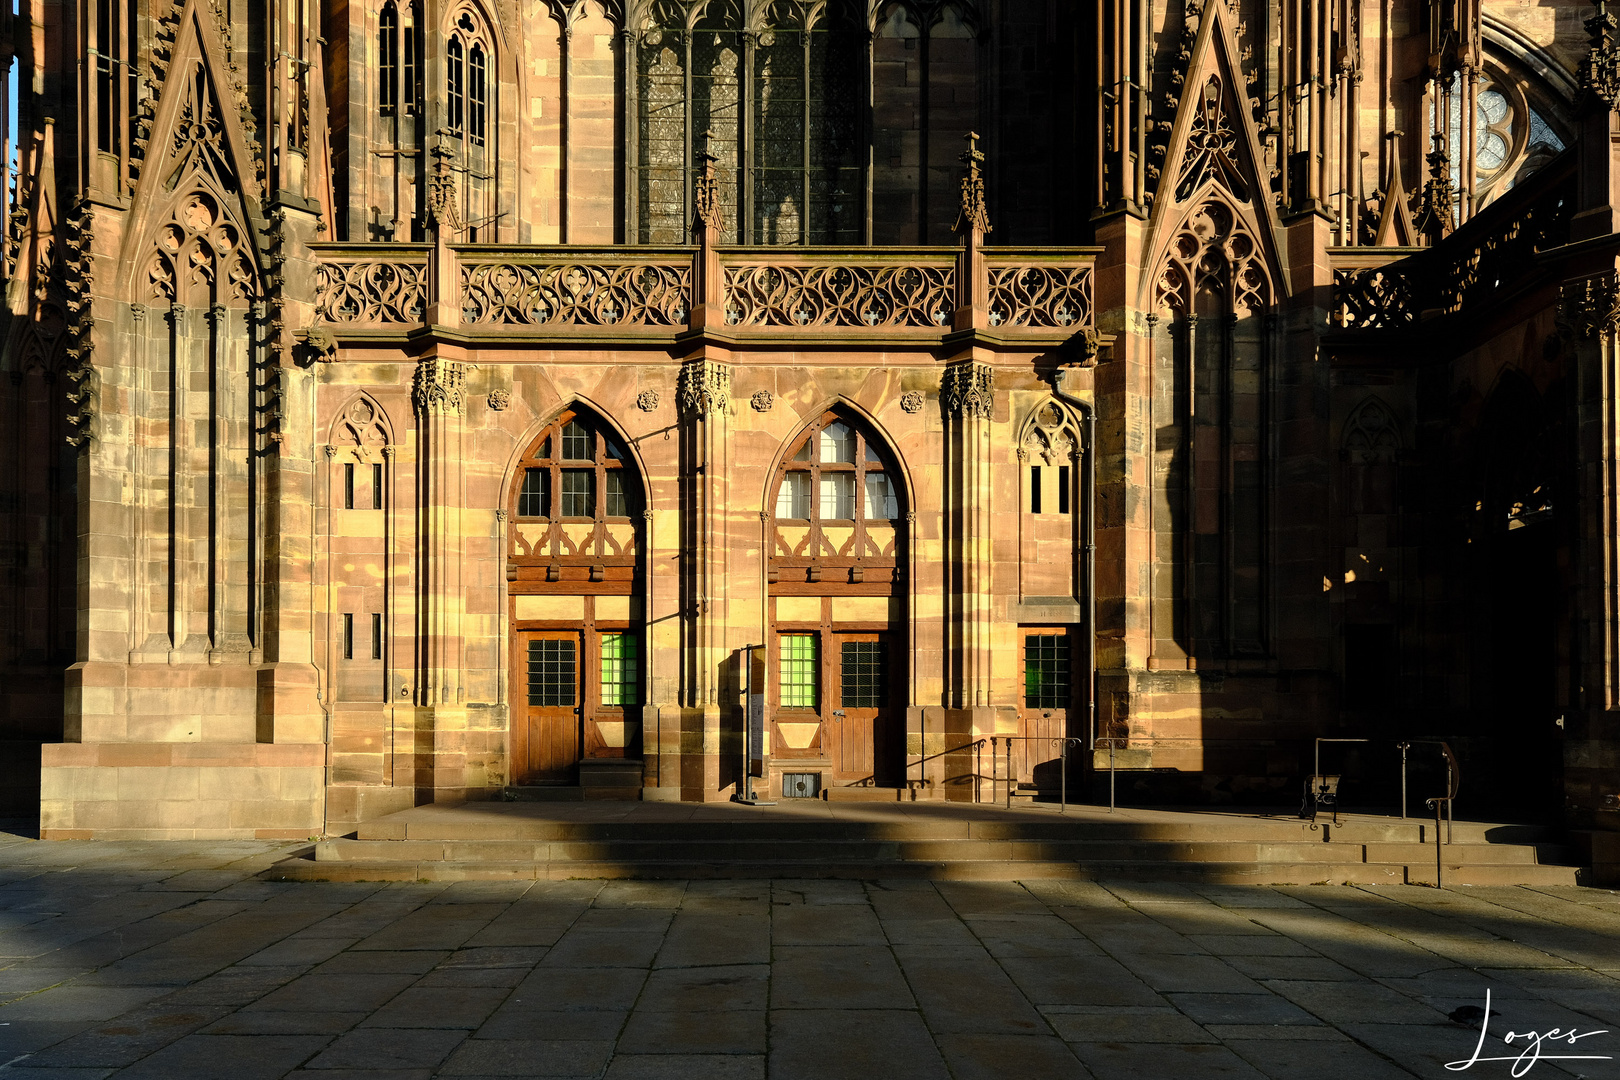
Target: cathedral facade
x,y
429,400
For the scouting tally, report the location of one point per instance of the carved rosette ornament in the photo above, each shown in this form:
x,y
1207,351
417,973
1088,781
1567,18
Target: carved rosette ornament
x,y
704,388
1600,70
968,391
762,400
1590,307
647,401
500,400
911,401
438,387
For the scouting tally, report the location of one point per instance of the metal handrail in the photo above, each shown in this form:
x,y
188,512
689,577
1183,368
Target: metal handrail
x,y
1111,740
1063,771
1453,778
975,745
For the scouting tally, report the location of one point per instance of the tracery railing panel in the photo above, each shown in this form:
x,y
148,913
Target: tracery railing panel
x,y
848,289
577,289
388,287
1035,290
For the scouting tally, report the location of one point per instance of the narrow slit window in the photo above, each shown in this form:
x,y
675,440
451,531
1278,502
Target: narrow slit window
x,y
409,63
476,95
348,635
1034,489
619,669
455,104
1063,489
376,636
376,486
800,671
348,485
387,60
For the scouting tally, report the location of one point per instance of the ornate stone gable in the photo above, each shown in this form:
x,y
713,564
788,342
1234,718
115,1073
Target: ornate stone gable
x,y
1213,224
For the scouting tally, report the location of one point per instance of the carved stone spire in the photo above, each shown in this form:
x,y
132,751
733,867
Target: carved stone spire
x,y
1437,211
973,215
706,192
443,208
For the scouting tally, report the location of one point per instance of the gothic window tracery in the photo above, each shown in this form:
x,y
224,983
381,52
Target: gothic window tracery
x,y
471,86
771,99
1511,138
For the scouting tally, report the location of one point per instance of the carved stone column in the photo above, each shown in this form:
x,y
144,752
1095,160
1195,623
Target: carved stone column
x,y
967,393
437,394
704,397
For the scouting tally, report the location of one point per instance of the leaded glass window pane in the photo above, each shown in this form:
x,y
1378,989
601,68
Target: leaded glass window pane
x,y
800,671
532,500
579,493
861,675
551,673
793,497
1046,671
617,504
620,666
577,443
838,496
837,443
881,503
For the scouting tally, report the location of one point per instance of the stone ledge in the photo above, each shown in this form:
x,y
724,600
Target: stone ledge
x,y
211,755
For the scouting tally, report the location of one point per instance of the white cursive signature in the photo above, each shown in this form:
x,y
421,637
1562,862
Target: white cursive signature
x,y
1524,1061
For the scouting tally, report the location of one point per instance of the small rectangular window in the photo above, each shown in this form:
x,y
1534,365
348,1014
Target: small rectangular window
x,y
617,505
348,485
532,500
1063,489
801,673
408,56
387,60
1034,489
579,493
348,636
619,669
376,636
376,486
1046,671
838,496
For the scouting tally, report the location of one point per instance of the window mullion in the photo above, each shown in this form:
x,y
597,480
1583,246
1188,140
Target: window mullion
x,y
745,141
804,159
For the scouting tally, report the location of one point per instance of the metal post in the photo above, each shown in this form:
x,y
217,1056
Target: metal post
x,y
1009,772
1449,792
1110,775
1404,745
1063,776
1437,870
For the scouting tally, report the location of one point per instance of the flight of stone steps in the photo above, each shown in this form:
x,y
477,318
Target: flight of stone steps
x,y
930,840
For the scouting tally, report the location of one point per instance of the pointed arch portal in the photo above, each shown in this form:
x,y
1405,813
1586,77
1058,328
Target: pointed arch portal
x,y
577,557
836,648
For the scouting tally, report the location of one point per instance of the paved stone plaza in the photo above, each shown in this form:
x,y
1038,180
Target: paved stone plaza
x,y
171,960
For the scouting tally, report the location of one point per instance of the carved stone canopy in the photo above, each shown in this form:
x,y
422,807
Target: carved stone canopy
x,y
438,387
968,390
704,388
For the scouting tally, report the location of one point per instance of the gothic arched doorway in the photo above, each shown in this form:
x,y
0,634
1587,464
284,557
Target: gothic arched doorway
x,y
576,572
837,608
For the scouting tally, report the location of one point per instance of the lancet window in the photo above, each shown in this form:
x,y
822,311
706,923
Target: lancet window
x,y
467,55
398,60
774,101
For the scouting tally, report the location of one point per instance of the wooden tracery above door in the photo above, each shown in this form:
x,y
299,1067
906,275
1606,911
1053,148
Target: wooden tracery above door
x,y
839,518
575,508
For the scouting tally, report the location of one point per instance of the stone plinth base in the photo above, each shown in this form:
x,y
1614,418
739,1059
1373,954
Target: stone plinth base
x,y
181,791
610,778
347,807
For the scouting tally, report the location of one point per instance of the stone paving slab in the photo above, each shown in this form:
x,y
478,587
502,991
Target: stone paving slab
x,y
175,961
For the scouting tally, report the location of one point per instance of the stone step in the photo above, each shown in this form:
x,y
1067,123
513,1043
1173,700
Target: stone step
x,y
304,868
544,793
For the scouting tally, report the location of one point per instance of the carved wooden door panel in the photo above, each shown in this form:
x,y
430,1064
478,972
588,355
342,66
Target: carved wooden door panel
x,y
546,745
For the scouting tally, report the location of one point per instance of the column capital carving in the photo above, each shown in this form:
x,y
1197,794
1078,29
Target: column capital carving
x,y
967,390
438,387
1590,307
704,388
